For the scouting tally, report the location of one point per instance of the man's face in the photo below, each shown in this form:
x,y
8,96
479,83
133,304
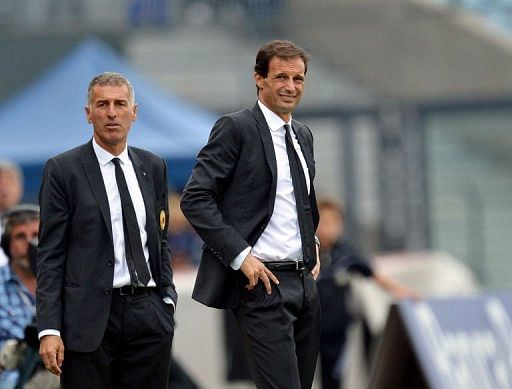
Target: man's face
x,y
20,237
330,227
111,113
282,89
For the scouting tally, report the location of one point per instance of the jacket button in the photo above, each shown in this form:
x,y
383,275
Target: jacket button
x,y
110,263
108,291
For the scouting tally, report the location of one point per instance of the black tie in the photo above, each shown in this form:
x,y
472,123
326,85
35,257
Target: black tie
x,y
133,246
300,190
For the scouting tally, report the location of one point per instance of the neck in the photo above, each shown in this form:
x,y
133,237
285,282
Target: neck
x,y
26,277
114,149
284,116
326,245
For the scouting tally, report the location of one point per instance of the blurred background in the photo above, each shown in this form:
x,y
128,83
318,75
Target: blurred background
x,y
409,102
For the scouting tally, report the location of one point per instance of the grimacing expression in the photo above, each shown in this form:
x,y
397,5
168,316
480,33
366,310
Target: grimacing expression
x,y
111,112
282,89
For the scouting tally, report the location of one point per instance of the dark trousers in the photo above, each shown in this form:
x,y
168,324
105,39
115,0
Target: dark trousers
x,y
135,351
281,331
329,353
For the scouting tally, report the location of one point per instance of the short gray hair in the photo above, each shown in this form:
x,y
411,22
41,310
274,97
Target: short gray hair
x,y
11,168
110,78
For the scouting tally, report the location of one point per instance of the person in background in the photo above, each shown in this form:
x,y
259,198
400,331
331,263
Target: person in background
x,y
340,259
105,292
183,241
11,191
185,246
251,199
17,289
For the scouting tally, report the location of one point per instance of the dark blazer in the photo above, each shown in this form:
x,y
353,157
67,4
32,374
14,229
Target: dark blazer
x,y
230,196
75,254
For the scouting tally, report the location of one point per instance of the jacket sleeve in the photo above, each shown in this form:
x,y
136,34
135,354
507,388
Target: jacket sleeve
x,y
167,275
203,193
52,248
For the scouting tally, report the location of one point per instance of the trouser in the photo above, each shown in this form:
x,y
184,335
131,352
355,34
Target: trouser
x,y
281,331
329,353
135,351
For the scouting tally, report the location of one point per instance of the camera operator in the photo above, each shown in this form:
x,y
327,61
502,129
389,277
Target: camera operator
x,y
17,289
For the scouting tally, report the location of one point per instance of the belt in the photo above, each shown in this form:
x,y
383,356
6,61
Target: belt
x,y
130,290
285,265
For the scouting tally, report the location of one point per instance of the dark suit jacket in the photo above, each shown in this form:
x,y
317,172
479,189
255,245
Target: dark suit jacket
x,y
230,196
75,254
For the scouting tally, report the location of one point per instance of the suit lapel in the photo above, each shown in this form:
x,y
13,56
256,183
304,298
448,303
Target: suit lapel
x,y
308,156
305,147
145,183
268,146
95,179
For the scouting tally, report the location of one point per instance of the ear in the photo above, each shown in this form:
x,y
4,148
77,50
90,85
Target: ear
x,y
88,114
259,80
134,112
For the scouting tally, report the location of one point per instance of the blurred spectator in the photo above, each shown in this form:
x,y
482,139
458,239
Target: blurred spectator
x,y
149,12
339,259
183,241
185,246
17,300
179,378
11,190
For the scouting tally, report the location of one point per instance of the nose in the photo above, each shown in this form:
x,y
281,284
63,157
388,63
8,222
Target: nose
x,y
290,84
111,111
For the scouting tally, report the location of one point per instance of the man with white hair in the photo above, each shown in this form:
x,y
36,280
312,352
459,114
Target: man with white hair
x,y
11,191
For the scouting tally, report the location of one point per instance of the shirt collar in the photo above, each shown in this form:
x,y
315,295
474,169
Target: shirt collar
x,y
274,122
105,157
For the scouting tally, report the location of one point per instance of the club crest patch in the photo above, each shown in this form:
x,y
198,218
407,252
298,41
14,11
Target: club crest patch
x,y
162,219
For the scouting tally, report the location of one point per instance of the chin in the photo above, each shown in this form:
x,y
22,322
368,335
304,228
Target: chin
x,y
288,107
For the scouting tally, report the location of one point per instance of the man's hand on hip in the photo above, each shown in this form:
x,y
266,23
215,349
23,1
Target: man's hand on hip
x,y
51,351
255,270
316,270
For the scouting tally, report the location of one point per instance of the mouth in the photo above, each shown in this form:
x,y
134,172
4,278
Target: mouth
x,y
287,97
112,126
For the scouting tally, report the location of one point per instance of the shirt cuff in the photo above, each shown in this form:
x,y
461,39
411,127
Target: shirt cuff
x,y
48,332
170,301
237,262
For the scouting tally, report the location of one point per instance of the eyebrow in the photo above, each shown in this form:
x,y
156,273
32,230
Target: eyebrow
x,y
285,74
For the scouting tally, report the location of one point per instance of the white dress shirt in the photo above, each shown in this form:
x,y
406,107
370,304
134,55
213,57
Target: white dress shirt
x,y
281,238
121,272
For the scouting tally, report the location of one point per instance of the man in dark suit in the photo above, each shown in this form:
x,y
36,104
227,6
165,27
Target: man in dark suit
x,y
251,198
105,294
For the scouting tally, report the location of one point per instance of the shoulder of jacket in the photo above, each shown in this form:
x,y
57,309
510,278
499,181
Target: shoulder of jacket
x,y
244,114
70,155
144,153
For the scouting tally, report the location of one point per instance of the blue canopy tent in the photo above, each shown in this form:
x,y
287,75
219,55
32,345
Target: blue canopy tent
x,y
48,117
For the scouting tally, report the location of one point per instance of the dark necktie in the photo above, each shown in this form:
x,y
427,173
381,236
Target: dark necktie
x,y
300,190
134,254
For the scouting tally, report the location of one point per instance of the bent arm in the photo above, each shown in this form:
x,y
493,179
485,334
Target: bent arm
x,y
395,289
205,188
167,274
